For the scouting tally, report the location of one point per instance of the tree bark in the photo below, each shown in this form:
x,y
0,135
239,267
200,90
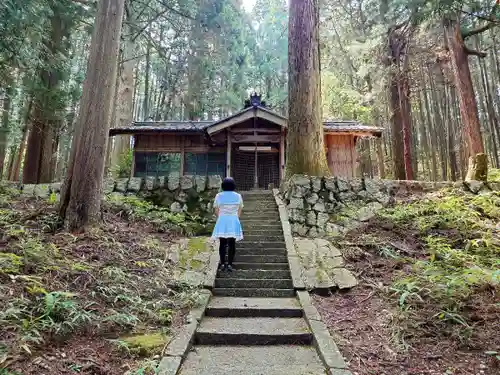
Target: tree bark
x,y
4,129
124,111
16,167
467,99
145,107
397,102
81,193
305,139
48,107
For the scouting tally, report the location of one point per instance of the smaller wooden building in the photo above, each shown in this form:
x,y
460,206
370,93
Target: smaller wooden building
x,y
249,146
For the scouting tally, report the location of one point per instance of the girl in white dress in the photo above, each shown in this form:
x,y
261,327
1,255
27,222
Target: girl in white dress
x,y
228,205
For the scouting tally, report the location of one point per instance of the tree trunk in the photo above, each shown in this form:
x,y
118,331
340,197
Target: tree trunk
x,y
305,139
124,104
81,193
432,137
467,99
16,167
4,129
397,103
145,107
47,106
404,103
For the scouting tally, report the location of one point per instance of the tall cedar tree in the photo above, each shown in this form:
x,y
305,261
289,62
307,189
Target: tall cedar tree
x,y
81,193
459,57
305,140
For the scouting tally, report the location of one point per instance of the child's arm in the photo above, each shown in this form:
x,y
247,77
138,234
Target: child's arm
x,y
241,207
216,205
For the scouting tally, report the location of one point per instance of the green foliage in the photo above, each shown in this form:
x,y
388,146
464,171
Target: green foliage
x,y
463,253
135,208
10,263
124,167
494,174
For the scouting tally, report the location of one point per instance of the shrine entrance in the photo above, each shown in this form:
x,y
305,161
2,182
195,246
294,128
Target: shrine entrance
x,y
255,145
256,167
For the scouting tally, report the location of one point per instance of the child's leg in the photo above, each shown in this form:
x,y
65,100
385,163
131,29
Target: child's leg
x,y
222,250
232,250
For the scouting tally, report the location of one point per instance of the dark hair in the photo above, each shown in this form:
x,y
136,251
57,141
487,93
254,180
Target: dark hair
x,y
228,184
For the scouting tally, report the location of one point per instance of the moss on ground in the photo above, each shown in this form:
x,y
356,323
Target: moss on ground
x,y
148,344
112,281
441,252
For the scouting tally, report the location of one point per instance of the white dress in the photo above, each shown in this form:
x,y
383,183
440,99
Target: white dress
x,y
228,224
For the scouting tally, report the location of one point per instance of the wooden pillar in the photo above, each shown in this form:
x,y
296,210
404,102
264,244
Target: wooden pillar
x,y
282,154
183,156
353,156
256,172
228,154
132,170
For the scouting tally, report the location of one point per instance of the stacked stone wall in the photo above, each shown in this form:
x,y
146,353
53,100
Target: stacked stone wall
x,y
179,193
313,202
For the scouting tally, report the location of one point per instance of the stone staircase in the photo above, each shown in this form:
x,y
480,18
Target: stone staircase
x,y
254,323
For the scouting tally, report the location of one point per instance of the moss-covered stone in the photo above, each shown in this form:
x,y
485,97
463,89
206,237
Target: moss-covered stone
x,y
147,344
197,245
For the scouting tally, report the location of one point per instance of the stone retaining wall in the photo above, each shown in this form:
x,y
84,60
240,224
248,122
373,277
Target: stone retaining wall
x,y
179,193
313,202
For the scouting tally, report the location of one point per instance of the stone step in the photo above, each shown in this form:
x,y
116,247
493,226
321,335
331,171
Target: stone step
x,y
250,232
261,251
253,283
253,292
261,217
255,274
260,221
260,266
271,212
252,360
253,331
260,227
264,238
254,307
260,258
260,245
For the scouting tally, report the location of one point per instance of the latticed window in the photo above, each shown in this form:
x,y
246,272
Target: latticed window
x,y
156,163
210,164
162,164
216,164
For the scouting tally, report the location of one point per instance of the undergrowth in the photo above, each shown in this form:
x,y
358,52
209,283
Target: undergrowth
x,y
162,219
112,281
459,234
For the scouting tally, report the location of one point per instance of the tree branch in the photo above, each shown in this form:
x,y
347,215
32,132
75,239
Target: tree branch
x,y
473,52
491,22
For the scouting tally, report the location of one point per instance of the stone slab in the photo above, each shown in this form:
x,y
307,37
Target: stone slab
x,y
252,360
182,341
260,251
254,303
253,331
327,349
260,258
196,313
260,266
254,326
344,278
255,274
336,371
310,312
209,280
169,366
253,292
253,283
260,245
